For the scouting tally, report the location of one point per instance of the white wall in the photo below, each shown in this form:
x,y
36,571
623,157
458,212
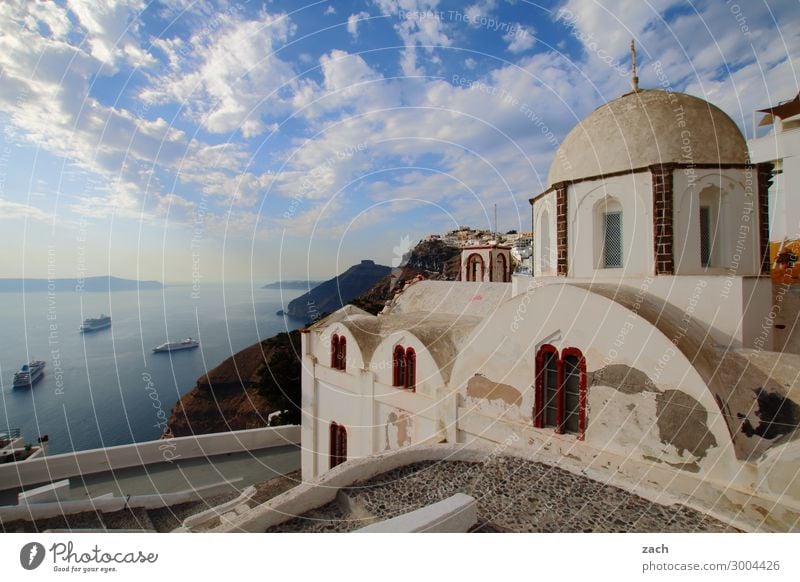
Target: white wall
x,y
584,232
68,465
736,246
544,239
783,149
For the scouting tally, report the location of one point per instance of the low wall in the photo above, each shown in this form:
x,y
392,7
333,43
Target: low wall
x,y
56,467
456,514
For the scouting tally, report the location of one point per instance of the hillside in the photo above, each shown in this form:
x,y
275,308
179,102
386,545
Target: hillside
x,y
341,290
244,390
432,259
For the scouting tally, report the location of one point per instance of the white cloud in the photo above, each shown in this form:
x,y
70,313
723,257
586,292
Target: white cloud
x,y
519,38
470,63
479,10
353,21
15,211
330,10
228,78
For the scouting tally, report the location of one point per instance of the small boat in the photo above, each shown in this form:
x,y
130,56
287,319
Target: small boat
x,y
95,323
174,346
29,374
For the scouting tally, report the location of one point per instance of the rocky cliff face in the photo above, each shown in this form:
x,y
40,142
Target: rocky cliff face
x,y
433,260
244,390
334,293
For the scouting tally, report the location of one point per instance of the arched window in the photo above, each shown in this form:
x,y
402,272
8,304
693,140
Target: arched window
x,y
475,267
342,355
611,241
334,350
544,242
503,266
560,391
337,437
709,199
399,366
411,369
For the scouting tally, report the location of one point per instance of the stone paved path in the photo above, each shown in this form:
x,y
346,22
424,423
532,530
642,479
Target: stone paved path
x,y
513,495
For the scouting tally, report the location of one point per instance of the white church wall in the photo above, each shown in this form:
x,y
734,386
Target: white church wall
x,y
321,347
735,243
585,202
428,377
627,391
544,235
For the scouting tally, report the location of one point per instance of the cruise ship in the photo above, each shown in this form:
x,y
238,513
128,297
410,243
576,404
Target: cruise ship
x,y
29,374
95,323
174,346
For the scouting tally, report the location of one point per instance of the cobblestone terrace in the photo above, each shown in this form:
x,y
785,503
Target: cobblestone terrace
x,y
513,495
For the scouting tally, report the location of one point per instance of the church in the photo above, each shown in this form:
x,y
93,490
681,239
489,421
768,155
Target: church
x,y
638,352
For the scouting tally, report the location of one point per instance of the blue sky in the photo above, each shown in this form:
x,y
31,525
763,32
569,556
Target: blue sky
x,y
257,140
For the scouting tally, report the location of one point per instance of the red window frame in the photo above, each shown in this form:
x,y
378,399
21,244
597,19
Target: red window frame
x,y
334,350
399,366
411,370
342,355
470,276
337,445
539,391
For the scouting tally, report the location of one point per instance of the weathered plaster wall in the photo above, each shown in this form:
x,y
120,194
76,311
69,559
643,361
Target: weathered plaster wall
x,y
544,235
645,399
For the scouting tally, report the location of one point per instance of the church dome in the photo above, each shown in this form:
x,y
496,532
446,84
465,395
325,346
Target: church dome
x,y
644,128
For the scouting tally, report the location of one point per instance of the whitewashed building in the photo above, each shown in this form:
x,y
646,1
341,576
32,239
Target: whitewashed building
x,y
638,353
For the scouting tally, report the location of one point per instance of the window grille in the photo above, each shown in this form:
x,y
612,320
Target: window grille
x,y
705,236
612,239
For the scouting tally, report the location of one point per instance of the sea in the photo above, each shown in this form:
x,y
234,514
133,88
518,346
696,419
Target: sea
x,y
107,387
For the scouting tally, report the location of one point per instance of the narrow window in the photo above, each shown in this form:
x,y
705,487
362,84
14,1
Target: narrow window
x,y
337,446
333,445
342,355
612,240
574,373
342,444
546,395
705,236
411,369
398,366
334,350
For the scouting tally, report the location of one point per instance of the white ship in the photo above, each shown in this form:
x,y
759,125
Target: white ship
x,y
174,346
29,374
95,323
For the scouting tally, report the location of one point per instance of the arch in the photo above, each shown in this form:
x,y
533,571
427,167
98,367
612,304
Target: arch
x,y
609,240
710,214
472,263
546,404
411,370
334,350
502,264
398,366
544,242
560,390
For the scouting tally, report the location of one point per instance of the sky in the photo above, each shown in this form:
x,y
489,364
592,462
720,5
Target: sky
x,y
183,140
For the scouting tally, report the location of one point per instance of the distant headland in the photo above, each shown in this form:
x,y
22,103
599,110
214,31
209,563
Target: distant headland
x,y
299,284
88,284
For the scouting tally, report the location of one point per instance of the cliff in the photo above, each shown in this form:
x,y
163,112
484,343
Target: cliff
x,y
334,293
244,390
433,260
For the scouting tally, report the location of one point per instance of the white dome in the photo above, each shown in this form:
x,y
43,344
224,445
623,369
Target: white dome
x,y
645,128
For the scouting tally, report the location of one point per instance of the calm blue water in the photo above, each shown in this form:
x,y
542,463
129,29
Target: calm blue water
x,y
110,385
